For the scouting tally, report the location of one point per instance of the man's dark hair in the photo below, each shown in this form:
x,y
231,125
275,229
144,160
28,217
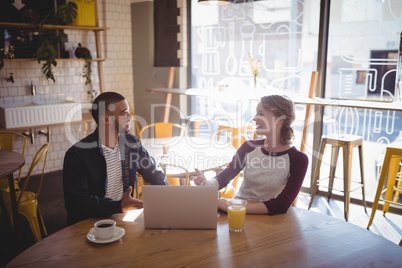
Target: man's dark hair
x,y
100,106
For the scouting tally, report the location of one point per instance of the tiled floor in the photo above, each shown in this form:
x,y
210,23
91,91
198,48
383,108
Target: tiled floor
x,y
389,227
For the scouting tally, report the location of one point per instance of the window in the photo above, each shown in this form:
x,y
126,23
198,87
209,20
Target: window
x,y
363,45
362,57
281,34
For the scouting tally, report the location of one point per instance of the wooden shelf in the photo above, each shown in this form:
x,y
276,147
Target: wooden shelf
x,y
95,29
55,27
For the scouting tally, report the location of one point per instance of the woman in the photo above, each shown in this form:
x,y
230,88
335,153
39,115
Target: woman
x,y
273,170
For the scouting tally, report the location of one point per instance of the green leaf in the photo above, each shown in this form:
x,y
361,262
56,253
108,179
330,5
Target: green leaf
x,y
68,12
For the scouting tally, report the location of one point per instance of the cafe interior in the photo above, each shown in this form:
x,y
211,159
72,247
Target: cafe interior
x,y
193,73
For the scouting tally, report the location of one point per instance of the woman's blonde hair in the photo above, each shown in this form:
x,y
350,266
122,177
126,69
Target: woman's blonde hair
x,y
283,109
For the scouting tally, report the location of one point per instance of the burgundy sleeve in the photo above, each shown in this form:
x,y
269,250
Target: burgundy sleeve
x,y
237,163
298,168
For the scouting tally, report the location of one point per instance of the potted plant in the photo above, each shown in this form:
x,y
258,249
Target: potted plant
x,y
84,53
47,52
6,54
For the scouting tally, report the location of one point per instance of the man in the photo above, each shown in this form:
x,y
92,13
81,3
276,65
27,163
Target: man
x,y
99,171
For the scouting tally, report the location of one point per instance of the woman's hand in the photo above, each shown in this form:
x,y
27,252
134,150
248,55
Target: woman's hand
x,y
223,205
199,179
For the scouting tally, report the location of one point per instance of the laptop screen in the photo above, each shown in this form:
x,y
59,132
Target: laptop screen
x,y
180,207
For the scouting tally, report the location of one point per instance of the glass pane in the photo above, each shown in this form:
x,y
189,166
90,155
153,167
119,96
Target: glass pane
x,y
281,34
364,37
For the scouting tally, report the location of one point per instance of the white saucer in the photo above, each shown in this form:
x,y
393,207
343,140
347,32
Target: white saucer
x,y
119,233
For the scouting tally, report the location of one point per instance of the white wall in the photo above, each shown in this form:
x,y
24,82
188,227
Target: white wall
x,y
116,46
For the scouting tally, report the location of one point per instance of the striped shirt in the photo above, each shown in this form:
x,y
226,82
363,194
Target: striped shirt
x,y
114,181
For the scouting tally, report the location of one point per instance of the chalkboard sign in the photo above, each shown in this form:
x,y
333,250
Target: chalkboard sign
x,y
166,30
25,41
14,10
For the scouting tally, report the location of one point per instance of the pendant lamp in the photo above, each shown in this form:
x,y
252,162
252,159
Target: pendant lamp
x,y
214,2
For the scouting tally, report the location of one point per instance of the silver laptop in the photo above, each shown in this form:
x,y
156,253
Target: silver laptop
x,y
180,207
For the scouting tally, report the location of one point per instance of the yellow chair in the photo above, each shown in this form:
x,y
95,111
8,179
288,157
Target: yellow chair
x,y
174,177
389,170
196,121
27,202
230,190
7,139
171,179
136,126
162,130
235,132
138,187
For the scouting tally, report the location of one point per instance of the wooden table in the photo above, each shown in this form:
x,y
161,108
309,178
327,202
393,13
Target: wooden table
x,y
9,162
168,97
299,238
191,153
255,95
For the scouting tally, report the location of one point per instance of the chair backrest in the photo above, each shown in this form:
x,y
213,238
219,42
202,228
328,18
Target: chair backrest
x,y
7,139
41,153
177,170
136,126
162,130
193,123
237,141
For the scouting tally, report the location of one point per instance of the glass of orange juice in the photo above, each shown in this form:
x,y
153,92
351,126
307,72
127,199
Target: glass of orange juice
x,y
236,214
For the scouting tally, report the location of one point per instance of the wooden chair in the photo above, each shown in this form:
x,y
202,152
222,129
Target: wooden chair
x,y
27,201
138,187
173,172
172,179
7,140
236,132
162,130
390,171
136,126
230,190
196,121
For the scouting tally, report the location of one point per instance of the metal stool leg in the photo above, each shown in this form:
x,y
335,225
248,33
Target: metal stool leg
x,y
360,148
347,165
393,171
317,174
399,184
381,181
334,160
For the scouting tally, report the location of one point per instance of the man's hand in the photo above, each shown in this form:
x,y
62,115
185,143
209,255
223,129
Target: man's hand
x,y
128,203
199,179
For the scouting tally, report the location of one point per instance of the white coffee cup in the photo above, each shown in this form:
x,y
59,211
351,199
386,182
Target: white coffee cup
x,y
105,229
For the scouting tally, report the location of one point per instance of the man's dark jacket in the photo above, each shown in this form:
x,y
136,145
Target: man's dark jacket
x,y
84,175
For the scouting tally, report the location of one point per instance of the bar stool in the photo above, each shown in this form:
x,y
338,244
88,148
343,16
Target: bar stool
x,y
389,171
347,143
